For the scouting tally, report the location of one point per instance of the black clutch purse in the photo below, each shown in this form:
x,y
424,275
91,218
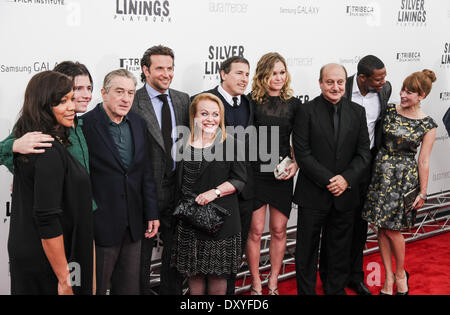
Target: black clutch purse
x,y
208,218
409,198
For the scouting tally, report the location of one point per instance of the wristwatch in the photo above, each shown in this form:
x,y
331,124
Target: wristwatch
x,y
217,191
423,197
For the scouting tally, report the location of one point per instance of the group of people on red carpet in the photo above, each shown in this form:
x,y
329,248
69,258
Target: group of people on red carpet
x,y
91,192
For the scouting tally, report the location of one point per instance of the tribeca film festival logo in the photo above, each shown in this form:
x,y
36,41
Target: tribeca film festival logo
x,y
444,96
408,56
412,13
216,55
130,64
220,7
360,10
142,11
36,67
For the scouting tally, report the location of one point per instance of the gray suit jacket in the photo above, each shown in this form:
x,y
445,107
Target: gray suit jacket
x,y
143,107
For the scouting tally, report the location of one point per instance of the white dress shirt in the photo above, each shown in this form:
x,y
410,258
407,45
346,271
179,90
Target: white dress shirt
x,y
371,103
228,97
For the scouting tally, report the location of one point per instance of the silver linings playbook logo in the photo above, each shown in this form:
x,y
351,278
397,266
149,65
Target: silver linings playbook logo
x,y
445,58
142,11
216,55
412,13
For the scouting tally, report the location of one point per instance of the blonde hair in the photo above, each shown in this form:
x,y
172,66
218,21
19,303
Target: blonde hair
x,y
264,70
420,82
193,110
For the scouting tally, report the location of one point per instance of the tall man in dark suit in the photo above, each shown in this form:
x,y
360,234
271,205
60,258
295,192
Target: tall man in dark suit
x,y
234,77
369,89
331,146
163,109
122,185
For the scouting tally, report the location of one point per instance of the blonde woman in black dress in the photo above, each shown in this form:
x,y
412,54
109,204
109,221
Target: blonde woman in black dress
x,y
209,260
276,107
396,172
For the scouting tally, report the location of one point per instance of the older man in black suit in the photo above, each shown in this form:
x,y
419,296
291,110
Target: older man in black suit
x,y
163,109
122,184
369,89
331,146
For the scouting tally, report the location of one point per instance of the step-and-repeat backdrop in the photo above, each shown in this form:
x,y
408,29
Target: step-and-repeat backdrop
x,y
408,35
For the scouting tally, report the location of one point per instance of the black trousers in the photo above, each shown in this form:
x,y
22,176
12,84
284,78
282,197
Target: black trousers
x,y
360,227
246,212
171,281
337,228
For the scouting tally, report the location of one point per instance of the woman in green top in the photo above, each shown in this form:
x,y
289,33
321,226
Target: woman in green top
x,y
36,142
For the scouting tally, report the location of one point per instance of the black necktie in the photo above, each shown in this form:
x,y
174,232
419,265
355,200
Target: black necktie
x,y
166,130
235,102
336,122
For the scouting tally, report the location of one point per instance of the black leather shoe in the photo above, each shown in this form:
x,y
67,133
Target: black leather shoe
x,y
359,287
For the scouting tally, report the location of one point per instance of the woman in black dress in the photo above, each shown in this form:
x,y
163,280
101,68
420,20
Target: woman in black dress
x,y
50,241
211,174
396,172
275,107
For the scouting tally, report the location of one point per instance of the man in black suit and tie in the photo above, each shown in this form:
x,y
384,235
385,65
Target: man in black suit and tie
x,y
122,185
234,77
163,109
331,146
369,89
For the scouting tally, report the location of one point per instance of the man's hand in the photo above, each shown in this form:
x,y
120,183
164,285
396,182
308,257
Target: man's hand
x,y
30,141
152,229
337,185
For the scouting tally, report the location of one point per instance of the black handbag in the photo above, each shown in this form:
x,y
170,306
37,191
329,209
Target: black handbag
x,y
208,218
409,198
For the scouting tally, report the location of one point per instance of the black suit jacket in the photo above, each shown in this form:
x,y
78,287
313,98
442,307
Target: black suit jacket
x,y
383,96
446,120
248,192
125,197
320,158
143,107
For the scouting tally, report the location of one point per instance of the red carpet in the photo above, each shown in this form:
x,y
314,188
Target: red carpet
x,y
427,261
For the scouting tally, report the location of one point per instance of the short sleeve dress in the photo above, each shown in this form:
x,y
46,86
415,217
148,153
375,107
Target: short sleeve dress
x,y
395,171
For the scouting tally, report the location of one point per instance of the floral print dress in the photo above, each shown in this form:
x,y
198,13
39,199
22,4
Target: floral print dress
x,y
395,171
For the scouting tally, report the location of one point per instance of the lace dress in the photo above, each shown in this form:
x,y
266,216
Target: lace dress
x,y
268,190
395,171
192,255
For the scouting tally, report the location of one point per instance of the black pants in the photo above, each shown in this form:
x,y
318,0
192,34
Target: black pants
x,y
171,281
246,212
118,267
338,227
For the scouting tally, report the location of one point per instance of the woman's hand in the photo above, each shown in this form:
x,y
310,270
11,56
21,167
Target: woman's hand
x,y
206,197
291,170
64,287
418,203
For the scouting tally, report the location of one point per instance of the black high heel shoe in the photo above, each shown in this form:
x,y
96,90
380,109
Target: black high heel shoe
x,y
407,279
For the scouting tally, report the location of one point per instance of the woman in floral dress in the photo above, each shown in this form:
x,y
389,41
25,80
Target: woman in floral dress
x,y
396,172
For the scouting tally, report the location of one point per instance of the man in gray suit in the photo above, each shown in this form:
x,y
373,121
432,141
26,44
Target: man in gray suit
x,y
163,109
